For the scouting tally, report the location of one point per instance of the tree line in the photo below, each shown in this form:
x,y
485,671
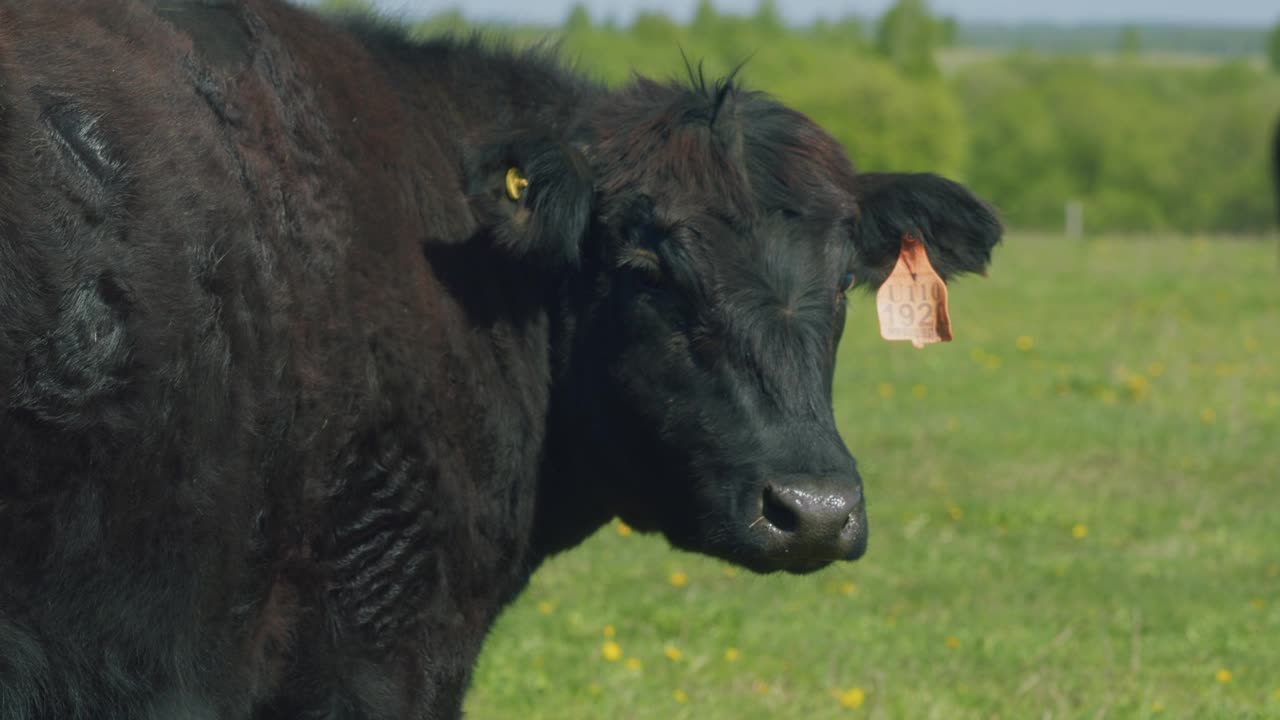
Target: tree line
x,y
1143,144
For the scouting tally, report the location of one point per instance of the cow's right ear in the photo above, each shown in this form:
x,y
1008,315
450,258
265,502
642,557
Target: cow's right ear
x,y
957,229
532,196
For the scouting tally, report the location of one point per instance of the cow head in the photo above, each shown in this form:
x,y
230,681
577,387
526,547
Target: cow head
x,y
727,230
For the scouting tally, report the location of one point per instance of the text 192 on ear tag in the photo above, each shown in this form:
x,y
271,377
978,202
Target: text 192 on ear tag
x,y
912,303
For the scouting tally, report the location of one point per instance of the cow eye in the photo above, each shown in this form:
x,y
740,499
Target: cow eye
x,y
846,282
653,278
647,266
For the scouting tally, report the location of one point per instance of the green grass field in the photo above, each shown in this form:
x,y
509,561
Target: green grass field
x,y
1074,509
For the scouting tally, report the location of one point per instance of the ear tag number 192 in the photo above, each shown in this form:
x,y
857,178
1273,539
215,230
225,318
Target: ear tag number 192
x,y
912,303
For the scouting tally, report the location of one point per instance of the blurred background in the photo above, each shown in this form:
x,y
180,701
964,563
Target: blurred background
x,y
1074,507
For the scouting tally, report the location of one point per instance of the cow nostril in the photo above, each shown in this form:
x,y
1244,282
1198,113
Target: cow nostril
x,y
810,520
812,510
778,512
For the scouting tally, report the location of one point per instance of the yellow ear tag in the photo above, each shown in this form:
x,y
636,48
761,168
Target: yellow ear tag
x,y
516,183
912,303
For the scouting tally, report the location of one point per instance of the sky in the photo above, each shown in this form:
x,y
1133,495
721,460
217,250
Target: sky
x,y
1233,12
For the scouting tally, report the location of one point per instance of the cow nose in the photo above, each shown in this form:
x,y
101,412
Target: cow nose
x,y
815,518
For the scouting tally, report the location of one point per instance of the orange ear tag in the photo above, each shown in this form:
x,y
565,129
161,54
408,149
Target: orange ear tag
x,y
912,303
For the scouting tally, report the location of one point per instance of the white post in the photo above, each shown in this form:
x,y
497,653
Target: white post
x,y
1075,219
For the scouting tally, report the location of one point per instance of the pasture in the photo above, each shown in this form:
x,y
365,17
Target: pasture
x,y
1073,513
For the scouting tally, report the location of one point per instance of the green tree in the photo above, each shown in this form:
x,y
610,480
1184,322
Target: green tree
x,y
705,18
948,32
846,32
360,7
655,28
1273,47
907,35
1130,42
579,19
444,22
767,18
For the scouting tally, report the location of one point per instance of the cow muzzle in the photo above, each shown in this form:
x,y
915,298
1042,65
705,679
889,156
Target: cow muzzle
x,y
809,521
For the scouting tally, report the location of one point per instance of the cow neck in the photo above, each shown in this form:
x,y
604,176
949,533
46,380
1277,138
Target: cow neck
x,y
574,496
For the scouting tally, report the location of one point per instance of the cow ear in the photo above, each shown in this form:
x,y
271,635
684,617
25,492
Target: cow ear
x,y
958,230
532,196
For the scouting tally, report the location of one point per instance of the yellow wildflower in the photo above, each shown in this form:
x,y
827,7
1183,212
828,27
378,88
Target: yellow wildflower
x,y
634,664
680,696
1025,343
1208,416
731,655
886,390
1223,676
920,392
853,698
611,651
1080,531
953,642
546,608
609,631
679,578
623,529
673,653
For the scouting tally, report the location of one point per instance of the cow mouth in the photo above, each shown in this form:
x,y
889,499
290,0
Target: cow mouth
x,y
765,549
766,564
806,567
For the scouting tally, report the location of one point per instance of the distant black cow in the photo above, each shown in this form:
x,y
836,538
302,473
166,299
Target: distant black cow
x,y
1275,166
315,341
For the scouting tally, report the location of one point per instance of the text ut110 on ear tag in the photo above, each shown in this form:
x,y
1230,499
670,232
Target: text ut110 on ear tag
x,y
912,303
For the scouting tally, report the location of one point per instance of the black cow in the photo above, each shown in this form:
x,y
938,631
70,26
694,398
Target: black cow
x,y
1275,166
315,341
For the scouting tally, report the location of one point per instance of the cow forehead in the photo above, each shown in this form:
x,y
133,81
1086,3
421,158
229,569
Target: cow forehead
x,y
769,260
736,152
769,177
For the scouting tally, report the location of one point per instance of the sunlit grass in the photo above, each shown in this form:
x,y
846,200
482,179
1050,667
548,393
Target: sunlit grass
x,y
1073,511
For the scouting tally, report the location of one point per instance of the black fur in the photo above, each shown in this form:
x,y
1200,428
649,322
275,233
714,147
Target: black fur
x,y
294,397
958,230
1275,165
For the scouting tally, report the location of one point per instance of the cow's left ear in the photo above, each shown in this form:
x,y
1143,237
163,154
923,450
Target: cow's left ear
x,y
533,196
957,229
